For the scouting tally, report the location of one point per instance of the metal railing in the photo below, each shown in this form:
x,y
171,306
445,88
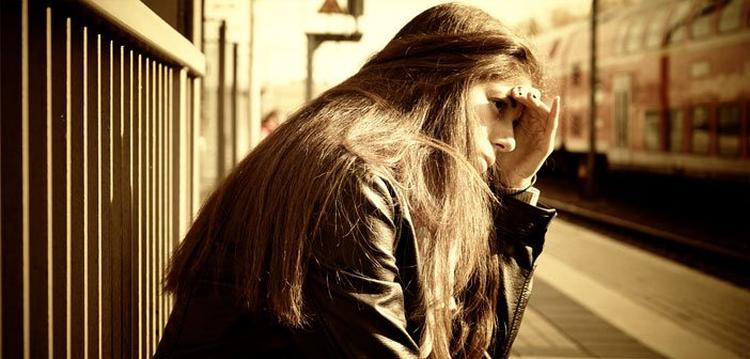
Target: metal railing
x,y
100,102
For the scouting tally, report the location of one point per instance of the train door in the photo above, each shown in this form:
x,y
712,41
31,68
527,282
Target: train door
x,y
621,91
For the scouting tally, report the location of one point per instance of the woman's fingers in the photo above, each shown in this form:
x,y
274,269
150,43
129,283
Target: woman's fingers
x,y
555,113
553,121
531,98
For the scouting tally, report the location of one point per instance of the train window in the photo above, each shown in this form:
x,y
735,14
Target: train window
x,y
676,121
702,22
655,32
729,130
677,26
700,129
652,127
635,36
731,16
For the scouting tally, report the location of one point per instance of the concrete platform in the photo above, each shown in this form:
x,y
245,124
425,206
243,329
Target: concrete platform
x,y
594,297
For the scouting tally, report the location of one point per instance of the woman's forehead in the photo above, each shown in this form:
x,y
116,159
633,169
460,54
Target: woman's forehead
x,y
504,85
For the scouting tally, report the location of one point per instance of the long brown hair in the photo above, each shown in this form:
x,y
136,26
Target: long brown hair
x,y
403,116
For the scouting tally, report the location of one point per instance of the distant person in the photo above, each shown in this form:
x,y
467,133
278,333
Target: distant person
x,y
393,216
269,123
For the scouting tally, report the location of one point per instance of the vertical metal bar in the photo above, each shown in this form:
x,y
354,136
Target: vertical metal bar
x,y
186,158
85,248
154,214
159,204
25,179
138,175
77,192
184,164
221,145
134,214
93,189
12,127
252,118
147,206
165,200
147,237
235,133
68,200
108,207
164,218
167,189
112,207
143,205
99,194
116,200
48,83
195,195
172,185
58,81
159,216
182,158
37,181
170,182
126,120
189,154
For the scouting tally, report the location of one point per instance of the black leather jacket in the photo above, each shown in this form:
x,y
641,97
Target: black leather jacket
x,y
362,293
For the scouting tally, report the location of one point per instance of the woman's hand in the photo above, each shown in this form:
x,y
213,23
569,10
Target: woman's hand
x,y
534,133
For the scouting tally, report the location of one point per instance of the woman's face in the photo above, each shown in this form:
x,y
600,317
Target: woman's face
x,y
498,114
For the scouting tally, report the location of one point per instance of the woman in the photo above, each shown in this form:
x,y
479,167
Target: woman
x,y
382,219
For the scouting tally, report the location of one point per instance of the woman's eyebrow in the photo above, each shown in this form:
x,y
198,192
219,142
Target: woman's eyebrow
x,y
505,98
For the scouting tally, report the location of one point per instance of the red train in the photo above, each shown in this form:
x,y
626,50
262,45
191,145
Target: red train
x,y
672,91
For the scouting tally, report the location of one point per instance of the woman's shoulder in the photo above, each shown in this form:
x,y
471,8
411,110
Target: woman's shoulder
x,y
360,228
362,194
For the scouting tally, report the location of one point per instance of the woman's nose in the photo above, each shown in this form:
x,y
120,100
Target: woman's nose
x,y
505,144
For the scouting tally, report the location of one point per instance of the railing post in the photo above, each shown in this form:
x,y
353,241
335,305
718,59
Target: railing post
x,y
235,133
221,145
195,184
14,331
181,155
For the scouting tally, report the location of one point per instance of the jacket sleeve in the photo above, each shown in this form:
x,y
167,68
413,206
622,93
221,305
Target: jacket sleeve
x,y
353,287
520,233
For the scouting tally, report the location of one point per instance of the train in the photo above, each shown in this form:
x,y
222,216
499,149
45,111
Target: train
x,y
672,89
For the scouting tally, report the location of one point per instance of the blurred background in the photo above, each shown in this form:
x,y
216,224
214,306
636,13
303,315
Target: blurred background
x,y
119,117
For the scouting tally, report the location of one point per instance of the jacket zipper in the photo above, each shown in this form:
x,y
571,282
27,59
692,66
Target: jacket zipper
x,y
516,322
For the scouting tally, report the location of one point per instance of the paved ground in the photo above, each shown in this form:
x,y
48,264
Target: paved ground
x,y
598,298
